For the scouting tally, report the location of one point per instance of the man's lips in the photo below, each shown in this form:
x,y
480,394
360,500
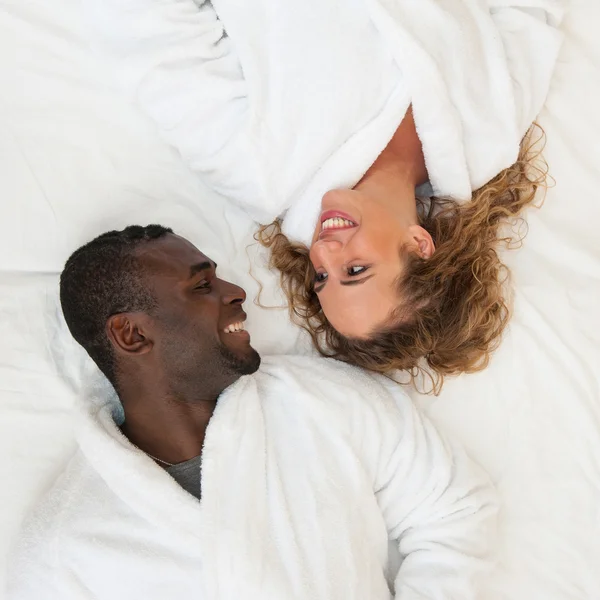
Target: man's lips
x,y
236,325
242,334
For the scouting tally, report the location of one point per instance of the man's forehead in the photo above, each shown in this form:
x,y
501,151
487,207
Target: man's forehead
x,y
170,254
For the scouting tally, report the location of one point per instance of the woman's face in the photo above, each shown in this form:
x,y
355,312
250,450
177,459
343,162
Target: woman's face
x,y
357,256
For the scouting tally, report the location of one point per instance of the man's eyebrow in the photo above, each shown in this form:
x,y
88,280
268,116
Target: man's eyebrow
x,y
203,266
319,288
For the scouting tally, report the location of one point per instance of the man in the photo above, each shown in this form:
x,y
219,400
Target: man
x,y
219,481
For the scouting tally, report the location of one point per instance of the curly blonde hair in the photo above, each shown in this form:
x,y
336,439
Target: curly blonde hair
x,y
453,305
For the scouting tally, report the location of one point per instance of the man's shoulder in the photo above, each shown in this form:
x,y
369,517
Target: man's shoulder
x,y
319,367
76,486
331,381
36,542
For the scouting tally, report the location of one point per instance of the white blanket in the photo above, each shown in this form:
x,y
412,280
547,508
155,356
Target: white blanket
x,y
78,160
275,103
303,483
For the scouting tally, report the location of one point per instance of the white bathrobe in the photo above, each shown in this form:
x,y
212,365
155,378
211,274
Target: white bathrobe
x,y
276,102
310,468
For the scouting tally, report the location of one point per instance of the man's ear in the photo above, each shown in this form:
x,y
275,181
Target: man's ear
x,y
421,241
129,333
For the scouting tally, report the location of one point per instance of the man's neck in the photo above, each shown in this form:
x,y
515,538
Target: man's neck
x,y
173,435
167,426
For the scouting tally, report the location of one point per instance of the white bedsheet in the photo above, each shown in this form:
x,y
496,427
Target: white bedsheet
x,y
75,160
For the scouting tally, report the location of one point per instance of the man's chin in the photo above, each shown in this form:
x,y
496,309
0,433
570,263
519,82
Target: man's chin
x,y
242,361
251,362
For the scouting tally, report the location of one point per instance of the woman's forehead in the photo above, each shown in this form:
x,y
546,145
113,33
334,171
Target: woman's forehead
x,y
358,311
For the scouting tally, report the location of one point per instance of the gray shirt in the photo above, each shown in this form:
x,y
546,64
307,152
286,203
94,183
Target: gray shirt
x,y
187,475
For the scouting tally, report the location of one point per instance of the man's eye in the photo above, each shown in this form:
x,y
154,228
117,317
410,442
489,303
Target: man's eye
x,y
356,270
320,277
203,285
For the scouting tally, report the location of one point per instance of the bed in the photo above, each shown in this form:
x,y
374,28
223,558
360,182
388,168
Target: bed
x,y
76,160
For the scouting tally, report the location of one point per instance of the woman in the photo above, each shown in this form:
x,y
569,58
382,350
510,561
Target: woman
x,y
330,118
392,281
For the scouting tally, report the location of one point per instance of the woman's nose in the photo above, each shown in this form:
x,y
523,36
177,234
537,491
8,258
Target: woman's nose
x,y
331,245
327,254
325,251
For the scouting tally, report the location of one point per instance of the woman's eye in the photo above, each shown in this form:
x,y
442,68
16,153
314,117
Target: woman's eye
x,y
320,277
356,270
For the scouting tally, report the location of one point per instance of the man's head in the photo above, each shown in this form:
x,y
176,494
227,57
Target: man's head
x,y
147,305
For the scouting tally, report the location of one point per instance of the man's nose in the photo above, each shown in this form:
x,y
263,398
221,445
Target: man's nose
x,y
233,294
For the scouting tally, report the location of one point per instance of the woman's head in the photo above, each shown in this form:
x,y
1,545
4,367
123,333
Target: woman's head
x,y
434,303
360,249
364,237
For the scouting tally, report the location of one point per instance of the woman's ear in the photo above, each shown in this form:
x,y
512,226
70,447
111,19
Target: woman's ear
x,y
128,333
421,241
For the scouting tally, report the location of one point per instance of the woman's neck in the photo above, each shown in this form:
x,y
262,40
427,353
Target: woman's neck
x,y
398,170
402,159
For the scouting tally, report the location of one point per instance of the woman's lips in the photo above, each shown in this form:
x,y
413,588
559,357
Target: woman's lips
x,y
336,214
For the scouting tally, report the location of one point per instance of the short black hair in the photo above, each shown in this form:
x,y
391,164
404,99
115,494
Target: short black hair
x,y
103,278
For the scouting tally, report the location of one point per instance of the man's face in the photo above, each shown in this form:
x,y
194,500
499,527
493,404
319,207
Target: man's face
x,y
196,316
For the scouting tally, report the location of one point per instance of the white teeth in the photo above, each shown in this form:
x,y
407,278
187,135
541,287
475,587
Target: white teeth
x,y
336,223
239,326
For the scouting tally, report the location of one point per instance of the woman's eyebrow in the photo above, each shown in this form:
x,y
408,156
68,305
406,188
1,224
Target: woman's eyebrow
x,y
320,287
356,281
